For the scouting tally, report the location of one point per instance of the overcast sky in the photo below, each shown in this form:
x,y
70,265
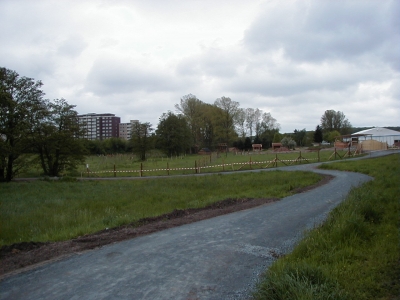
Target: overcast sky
x,y
137,58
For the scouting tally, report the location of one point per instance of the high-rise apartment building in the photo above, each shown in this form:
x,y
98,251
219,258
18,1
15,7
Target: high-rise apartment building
x,y
125,129
99,126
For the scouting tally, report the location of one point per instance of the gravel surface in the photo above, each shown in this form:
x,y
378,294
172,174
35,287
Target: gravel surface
x,y
218,258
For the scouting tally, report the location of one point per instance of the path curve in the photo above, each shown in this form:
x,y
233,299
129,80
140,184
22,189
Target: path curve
x,y
218,258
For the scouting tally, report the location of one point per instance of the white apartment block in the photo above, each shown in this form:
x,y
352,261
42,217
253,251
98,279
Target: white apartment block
x,y
125,129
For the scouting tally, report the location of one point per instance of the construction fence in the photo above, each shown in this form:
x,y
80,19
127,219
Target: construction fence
x,y
215,163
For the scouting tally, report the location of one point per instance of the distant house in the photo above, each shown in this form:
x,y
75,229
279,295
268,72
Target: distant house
x,y
204,151
276,146
257,147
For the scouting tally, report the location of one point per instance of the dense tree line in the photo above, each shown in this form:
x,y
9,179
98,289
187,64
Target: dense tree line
x,y
47,132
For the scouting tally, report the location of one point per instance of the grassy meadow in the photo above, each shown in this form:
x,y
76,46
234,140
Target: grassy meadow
x,y
355,254
124,165
43,210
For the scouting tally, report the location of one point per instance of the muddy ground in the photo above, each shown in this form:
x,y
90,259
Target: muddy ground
x,y
23,256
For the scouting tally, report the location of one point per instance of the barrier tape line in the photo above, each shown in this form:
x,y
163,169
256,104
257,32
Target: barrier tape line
x,y
199,168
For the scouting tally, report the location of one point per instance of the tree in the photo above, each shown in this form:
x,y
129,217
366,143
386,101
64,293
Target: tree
x,y
247,144
288,142
277,137
335,120
173,134
331,136
21,101
318,135
227,120
191,108
55,138
142,139
300,137
241,122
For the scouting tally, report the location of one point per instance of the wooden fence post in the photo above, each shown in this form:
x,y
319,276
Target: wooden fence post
x,y
115,173
318,154
195,166
251,167
141,169
167,168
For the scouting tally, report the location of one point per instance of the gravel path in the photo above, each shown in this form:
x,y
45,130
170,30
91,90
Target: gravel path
x,y
219,258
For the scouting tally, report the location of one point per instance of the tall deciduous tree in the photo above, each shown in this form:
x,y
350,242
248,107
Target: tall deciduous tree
x,y
226,122
335,120
191,108
21,101
173,134
142,140
55,138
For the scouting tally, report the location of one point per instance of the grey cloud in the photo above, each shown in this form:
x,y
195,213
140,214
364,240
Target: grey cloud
x,y
72,46
213,62
327,29
108,76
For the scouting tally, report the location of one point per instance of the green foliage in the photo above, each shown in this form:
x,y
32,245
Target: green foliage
x,y
173,134
335,120
226,121
142,139
331,136
299,137
54,139
62,209
356,251
277,137
318,135
21,105
288,142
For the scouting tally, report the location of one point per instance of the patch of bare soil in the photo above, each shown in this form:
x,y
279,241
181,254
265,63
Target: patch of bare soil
x,y
22,256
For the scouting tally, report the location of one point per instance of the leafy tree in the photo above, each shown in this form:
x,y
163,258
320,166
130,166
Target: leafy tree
x,y
226,122
335,120
253,117
95,147
191,108
277,137
239,144
331,136
241,122
300,136
173,134
115,145
55,138
257,140
21,101
142,139
318,135
247,144
288,142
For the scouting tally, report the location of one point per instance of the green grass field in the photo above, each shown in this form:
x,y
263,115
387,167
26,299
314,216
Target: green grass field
x,y
42,211
355,254
123,165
